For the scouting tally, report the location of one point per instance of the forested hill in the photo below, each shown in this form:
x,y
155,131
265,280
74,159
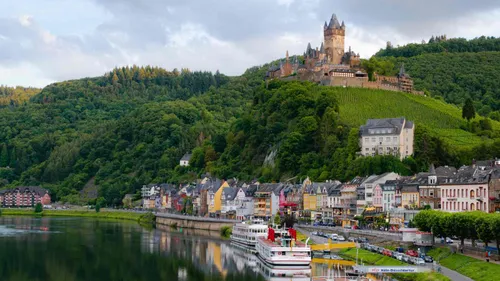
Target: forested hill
x,y
16,95
453,69
441,44
112,134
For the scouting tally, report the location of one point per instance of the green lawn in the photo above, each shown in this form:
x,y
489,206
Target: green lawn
x,y
476,269
376,259
358,105
121,215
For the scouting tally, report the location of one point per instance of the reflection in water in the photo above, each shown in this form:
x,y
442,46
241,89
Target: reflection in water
x,y
59,249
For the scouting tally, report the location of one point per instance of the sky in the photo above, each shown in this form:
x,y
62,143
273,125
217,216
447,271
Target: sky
x,y
45,41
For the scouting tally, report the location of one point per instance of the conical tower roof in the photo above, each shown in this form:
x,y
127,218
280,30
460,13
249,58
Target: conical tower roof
x,y
334,22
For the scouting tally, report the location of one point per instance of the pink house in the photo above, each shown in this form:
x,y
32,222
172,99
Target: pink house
x,y
377,197
25,196
461,197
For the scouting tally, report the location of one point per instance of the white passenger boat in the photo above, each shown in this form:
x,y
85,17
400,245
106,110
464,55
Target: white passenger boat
x,y
284,273
248,233
281,249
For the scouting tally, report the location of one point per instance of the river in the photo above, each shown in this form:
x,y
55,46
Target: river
x,y
74,249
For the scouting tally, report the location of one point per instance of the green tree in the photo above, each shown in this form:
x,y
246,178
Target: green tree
x,y
38,208
97,208
484,232
494,223
468,111
277,219
4,156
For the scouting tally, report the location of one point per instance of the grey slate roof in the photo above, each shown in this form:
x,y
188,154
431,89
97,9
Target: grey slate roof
x,y
335,191
386,123
334,22
22,189
229,193
376,177
186,157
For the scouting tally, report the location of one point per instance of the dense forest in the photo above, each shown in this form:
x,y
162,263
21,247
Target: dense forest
x,y
440,44
15,96
109,135
452,69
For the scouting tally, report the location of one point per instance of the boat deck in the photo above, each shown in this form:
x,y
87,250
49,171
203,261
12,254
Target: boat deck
x,y
274,244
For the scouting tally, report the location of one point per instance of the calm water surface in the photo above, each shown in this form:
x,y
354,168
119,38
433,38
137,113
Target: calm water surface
x,y
67,249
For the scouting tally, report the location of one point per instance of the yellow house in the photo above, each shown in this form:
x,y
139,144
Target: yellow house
x,y
310,199
410,196
215,206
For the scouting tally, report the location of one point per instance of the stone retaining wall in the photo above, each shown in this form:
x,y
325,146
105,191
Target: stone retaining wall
x,y
192,222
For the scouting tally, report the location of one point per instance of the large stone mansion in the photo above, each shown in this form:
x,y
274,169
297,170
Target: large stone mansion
x,y
331,65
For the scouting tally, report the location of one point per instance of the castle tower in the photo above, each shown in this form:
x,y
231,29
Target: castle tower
x,y
334,34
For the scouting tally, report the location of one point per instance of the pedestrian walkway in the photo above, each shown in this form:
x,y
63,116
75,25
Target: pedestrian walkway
x,y
453,275
480,258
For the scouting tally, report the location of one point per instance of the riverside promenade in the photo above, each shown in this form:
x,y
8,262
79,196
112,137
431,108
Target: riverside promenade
x,y
193,222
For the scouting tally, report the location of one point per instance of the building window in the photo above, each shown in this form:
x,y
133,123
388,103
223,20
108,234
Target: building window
x,y
380,139
373,139
388,139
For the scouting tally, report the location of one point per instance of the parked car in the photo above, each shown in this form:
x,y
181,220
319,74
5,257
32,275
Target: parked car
x,y
362,240
400,250
380,250
314,233
405,258
340,238
397,255
352,239
418,261
386,252
412,253
428,259
449,240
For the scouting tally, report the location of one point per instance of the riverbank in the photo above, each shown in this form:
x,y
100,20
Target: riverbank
x,y
475,269
376,259
118,215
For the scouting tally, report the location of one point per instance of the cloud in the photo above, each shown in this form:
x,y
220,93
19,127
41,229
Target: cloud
x,y
46,41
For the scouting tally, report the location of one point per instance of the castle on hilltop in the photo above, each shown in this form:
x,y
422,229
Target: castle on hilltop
x,y
331,65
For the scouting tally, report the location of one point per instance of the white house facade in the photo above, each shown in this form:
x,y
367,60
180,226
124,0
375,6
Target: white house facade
x,y
390,136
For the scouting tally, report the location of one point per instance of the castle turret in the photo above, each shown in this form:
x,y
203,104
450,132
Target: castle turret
x,y
334,36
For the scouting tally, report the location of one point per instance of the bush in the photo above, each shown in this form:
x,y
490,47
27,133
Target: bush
x,y
147,219
97,208
38,208
226,231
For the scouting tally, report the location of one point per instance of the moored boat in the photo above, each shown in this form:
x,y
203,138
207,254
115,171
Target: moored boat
x,y
248,233
281,249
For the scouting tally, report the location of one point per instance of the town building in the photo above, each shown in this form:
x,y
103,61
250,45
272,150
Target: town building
x,y
467,191
373,181
429,185
410,196
24,196
266,200
215,204
185,160
389,195
388,136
